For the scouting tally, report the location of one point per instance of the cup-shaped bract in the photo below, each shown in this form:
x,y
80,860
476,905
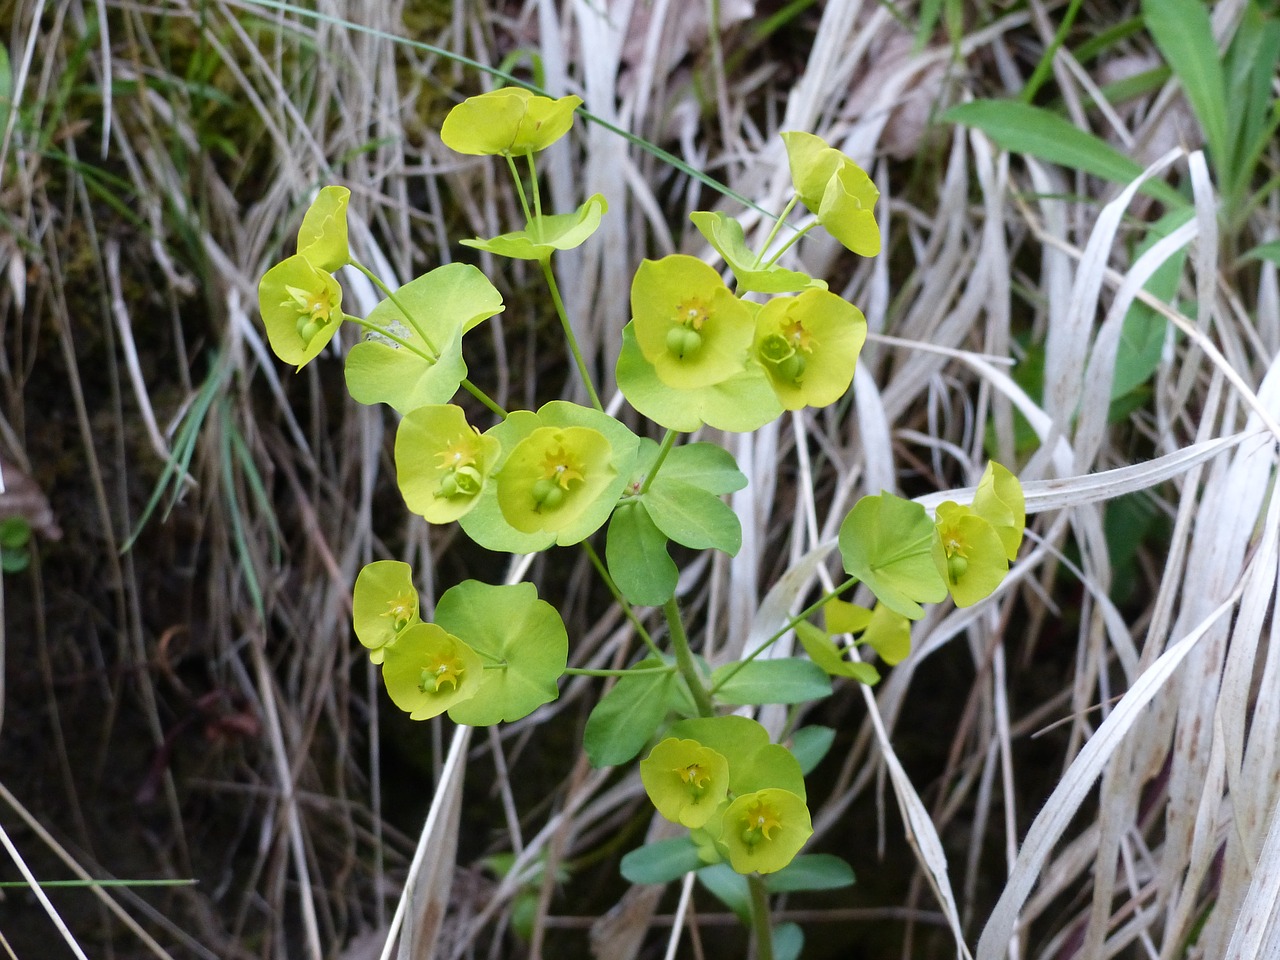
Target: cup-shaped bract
x,y
764,830
836,189
555,480
808,345
688,324
507,121
301,305
545,234
999,500
968,553
685,780
384,604
322,238
427,671
442,462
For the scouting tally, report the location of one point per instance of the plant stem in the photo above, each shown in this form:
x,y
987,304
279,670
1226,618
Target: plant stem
x,y
484,398
515,176
777,225
685,661
585,672
802,615
537,194
619,598
760,926
377,282
568,334
790,243
668,441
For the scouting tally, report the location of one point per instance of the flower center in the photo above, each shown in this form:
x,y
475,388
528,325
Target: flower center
x,y
400,611
760,821
441,670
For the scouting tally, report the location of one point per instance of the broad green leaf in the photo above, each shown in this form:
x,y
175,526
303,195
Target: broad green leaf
x,y
661,861
636,553
812,871
841,616
810,744
322,238
444,303
1022,128
548,233
729,888
764,830
772,765
887,543
740,404
383,604
627,716
1184,34
704,465
686,780
830,658
428,671
692,516
788,938
968,554
725,234
522,640
786,680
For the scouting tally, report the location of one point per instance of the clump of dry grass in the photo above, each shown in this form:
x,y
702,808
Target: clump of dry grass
x,y
1075,777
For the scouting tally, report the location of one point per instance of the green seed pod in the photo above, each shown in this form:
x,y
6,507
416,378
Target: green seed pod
x,y
547,493
448,485
683,342
791,369
776,348
956,566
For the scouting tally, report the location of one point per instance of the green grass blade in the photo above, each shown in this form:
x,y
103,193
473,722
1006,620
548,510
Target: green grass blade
x,y
1022,128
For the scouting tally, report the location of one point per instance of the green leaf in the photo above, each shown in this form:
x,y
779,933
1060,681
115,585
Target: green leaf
x,y
812,871
522,640
445,303
810,744
704,465
786,680
692,516
724,233
661,861
887,543
627,716
729,888
636,553
1022,128
788,938
1184,34
544,235
1265,251
830,658
740,404
889,634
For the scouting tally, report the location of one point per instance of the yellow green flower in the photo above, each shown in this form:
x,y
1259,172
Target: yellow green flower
x,y
764,830
442,462
383,605
322,238
301,305
999,500
511,120
685,780
837,190
808,345
968,553
554,480
427,671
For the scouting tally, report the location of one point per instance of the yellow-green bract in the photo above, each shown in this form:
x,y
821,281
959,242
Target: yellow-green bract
x,y
685,780
302,308
383,605
764,830
428,670
968,554
837,190
510,120
442,462
808,345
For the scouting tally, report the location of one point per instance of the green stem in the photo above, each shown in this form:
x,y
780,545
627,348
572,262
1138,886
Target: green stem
x,y
620,599
537,193
568,333
515,176
377,282
668,441
685,661
804,614
760,926
777,225
484,398
585,672
790,243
